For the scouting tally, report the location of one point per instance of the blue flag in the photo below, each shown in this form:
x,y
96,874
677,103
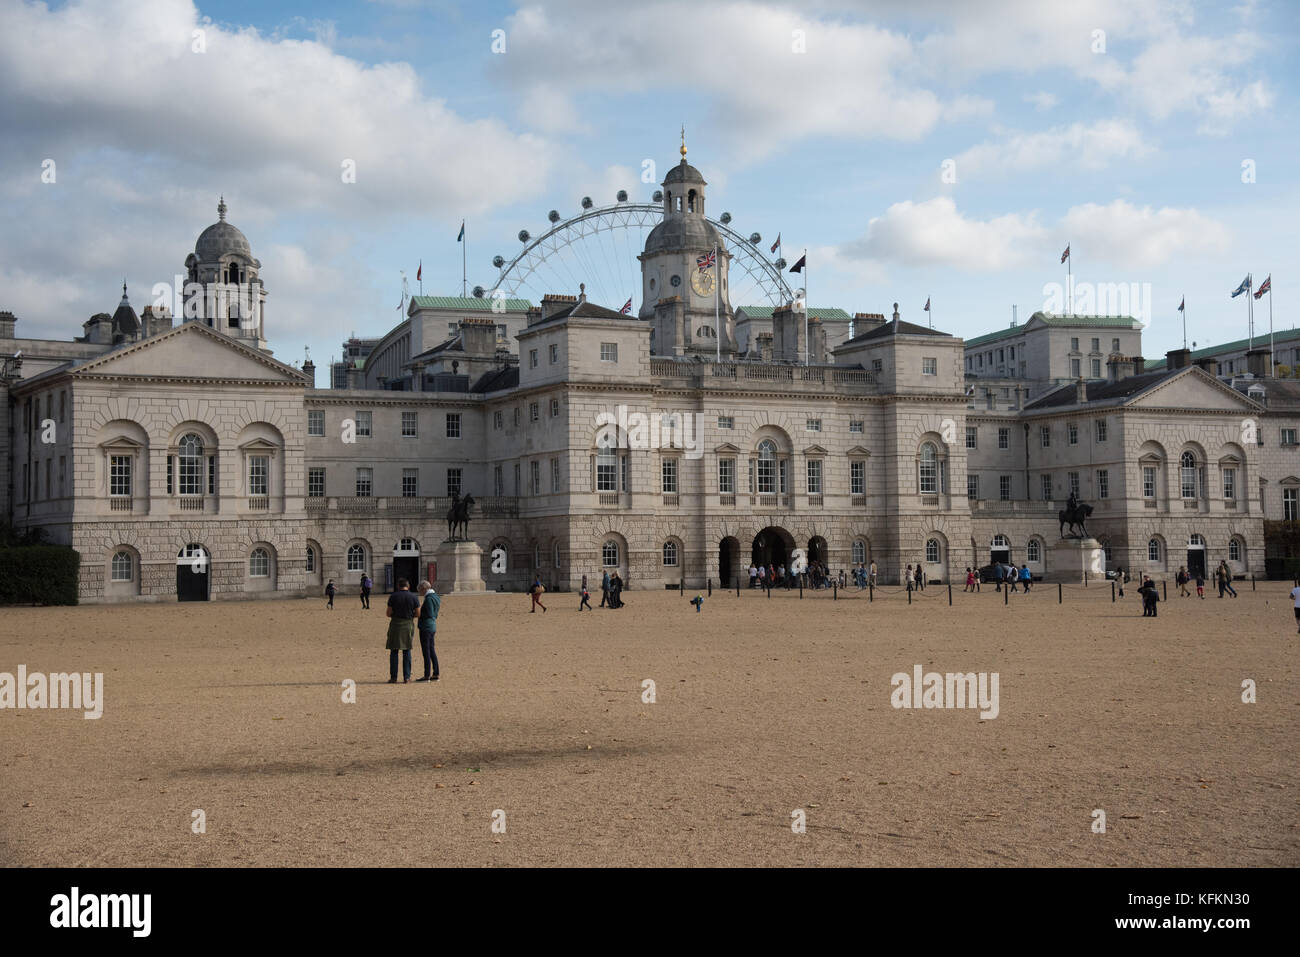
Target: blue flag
x,y
1244,287
461,235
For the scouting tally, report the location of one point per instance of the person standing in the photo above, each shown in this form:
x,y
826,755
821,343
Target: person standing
x,y
537,590
329,593
1295,597
1200,585
604,592
753,575
907,578
920,576
366,585
586,597
871,575
428,625
616,591
1150,595
1026,577
1225,580
1120,579
1181,579
403,607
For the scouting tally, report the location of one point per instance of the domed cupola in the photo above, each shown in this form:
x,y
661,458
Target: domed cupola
x,y
125,323
222,286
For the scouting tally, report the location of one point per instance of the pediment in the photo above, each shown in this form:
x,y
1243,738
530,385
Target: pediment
x,y
191,351
121,442
815,450
727,448
1194,389
256,446
859,450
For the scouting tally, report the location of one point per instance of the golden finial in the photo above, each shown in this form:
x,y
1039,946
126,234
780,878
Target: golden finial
x,y
683,141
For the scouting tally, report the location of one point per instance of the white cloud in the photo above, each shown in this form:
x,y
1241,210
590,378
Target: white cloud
x,y
1125,235
1042,100
1081,146
934,233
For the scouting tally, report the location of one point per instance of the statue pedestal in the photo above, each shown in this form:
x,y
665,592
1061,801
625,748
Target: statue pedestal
x,y
460,568
1070,559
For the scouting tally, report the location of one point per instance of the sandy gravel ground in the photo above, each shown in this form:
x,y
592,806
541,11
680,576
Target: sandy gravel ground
x,y
762,707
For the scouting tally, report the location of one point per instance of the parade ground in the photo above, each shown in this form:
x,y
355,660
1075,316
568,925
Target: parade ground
x,y
759,731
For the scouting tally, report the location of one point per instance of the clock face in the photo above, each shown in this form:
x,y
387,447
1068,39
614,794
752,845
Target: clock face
x,y
702,282
676,280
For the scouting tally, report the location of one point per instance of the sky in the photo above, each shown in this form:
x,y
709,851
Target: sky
x,y
917,150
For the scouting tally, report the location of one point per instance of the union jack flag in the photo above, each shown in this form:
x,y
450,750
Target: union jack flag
x,y
627,306
707,260
1265,286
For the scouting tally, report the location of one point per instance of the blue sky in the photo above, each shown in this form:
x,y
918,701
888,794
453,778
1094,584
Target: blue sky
x,y
1132,153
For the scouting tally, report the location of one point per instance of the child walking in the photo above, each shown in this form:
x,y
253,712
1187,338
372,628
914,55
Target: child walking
x,y
586,597
538,589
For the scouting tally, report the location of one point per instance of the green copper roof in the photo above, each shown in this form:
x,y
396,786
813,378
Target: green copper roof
x,y
1059,322
995,336
468,303
1237,345
765,312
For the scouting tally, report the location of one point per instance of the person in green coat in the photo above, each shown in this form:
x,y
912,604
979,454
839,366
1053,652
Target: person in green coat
x,y
403,607
428,623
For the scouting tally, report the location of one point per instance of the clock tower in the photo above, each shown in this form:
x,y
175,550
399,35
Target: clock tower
x,y
684,289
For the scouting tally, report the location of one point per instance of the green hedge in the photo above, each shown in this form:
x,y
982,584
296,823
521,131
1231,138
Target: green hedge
x,y
39,575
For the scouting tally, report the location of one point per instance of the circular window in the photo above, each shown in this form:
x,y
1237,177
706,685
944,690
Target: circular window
x,y
676,280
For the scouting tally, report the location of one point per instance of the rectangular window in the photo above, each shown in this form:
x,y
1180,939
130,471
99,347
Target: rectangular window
x,y
453,425
1004,488
364,421
726,422
516,416
670,475
929,365
1045,483
212,475
857,477
1103,483
453,482
609,352
533,412
972,486
315,483
726,476
63,406
1074,343
363,483
517,488
1074,484
1096,368
555,407
972,436
1101,430
316,422
812,425
532,358
410,422
535,477
555,475
1290,504
258,469
815,477
1074,369
498,482
63,473
1096,345
1004,438
501,335
877,365
1114,344
119,475
170,460
1288,437
410,483
1148,482
554,353
606,471
498,420
1045,436
856,426
1229,484
1072,431
990,400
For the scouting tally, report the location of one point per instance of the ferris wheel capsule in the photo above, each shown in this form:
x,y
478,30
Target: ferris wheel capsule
x,y
478,292
621,196
524,236
553,215
657,196
755,238
498,261
725,218
586,202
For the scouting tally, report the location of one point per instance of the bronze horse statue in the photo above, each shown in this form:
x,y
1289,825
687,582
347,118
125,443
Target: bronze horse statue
x,y
458,517
1075,517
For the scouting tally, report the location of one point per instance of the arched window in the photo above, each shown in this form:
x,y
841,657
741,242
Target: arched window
x,y
1196,541
1234,550
932,551
356,558
1153,550
537,556
859,553
670,553
1001,541
259,563
191,465
609,554
690,201
1033,551
311,559
929,469
766,467
1188,470
123,567
555,554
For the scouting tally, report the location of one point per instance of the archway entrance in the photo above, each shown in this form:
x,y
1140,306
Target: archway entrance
x,y
817,550
193,567
406,562
1196,556
728,561
773,546
1000,551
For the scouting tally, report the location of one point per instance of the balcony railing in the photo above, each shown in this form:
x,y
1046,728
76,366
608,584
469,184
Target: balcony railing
x,y
609,498
489,506
670,498
859,500
259,503
762,372
815,501
191,503
120,503
727,498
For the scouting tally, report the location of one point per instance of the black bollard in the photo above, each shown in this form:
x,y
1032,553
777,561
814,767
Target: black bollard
x,y
1164,588
1005,592
1085,578
871,593
710,583
950,596
737,586
769,590
681,587
835,591
909,596
800,587
1058,593
1112,593
1252,581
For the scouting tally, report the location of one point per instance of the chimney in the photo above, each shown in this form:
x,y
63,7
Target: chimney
x,y
1209,364
354,375
7,321
1139,365
1081,391
552,303
1118,367
787,334
866,321
896,312
1257,363
1013,317
1178,359
308,369
764,342
478,337
534,315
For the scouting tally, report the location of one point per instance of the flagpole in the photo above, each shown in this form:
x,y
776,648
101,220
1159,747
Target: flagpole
x,y
464,243
1250,313
1069,276
807,346
1271,360
717,304
1183,310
